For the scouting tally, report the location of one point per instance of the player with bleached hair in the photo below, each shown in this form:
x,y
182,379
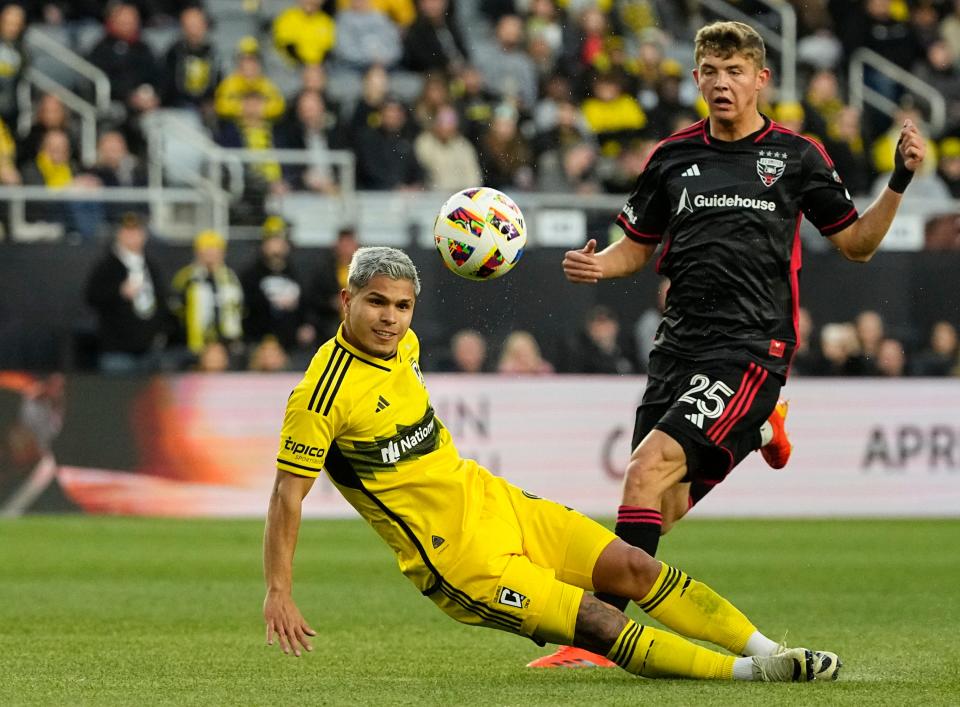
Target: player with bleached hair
x,y
484,551
723,199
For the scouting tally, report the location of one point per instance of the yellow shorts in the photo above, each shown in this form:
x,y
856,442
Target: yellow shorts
x,y
525,568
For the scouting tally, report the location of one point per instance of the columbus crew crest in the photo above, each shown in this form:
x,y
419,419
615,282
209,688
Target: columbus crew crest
x,y
770,166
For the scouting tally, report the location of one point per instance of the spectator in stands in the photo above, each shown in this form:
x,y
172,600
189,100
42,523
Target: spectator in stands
x,y
468,353
949,165
401,12
568,129
253,131
509,70
668,101
375,87
386,159
313,79
127,60
790,115
326,311
570,169
870,332
618,176
273,292
448,158
207,297
434,95
583,41
191,67
268,357
841,351
365,37
598,348
940,71
521,356
9,174
891,359
613,116
310,128
434,41
475,102
505,153
844,143
942,356
247,78
821,103
13,60
126,289
54,169
305,33
950,28
117,167
213,358
50,115
544,22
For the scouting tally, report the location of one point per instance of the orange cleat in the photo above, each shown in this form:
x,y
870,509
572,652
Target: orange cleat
x,y
777,451
570,657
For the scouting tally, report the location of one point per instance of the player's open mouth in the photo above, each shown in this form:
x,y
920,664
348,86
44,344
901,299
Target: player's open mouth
x,y
722,102
383,334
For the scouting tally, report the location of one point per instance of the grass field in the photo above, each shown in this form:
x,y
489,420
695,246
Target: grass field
x,y
132,611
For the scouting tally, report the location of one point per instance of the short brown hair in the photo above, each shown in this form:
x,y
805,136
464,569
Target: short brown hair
x,y
724,39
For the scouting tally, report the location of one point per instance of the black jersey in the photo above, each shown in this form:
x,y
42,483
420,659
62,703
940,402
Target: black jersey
x,y
728,214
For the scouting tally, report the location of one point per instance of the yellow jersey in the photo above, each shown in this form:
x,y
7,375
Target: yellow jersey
x,y
369,424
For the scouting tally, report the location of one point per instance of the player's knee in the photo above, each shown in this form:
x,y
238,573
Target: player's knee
x,y
642,570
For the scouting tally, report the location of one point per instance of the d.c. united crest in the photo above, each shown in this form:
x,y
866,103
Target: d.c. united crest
x,y
770,167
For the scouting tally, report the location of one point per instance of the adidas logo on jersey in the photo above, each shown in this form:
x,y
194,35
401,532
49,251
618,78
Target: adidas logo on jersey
x,y
696,418
382,403
692,171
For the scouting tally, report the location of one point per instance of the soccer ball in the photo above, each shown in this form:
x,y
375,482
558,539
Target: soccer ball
x,y
480,233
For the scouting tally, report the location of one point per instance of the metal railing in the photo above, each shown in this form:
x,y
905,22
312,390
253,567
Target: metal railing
x,y
156,198
33,77
861,93
72,61
783,42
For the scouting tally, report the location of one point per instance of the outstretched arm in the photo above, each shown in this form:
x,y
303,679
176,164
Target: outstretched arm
x,y
860,241
616,260
280,613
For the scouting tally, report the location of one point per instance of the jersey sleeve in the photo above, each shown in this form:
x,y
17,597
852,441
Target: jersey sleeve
x,y
646,214
306,435
824,200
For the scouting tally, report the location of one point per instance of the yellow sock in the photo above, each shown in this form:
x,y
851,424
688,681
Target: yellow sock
x,y
653,653
693,609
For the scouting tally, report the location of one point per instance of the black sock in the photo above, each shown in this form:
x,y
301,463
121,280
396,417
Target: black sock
x,y
639,527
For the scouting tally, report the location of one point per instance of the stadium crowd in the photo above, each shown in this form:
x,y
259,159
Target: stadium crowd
x,y
549,95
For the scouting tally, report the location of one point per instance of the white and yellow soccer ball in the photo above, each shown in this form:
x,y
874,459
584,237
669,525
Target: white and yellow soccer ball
x,y
480,233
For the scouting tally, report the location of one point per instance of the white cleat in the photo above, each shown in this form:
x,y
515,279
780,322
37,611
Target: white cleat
x,y
797,665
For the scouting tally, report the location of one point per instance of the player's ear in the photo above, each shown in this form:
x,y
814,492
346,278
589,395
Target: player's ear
x,y
345,297
763,77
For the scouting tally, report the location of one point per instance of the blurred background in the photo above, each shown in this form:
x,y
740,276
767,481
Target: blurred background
x,y
183,183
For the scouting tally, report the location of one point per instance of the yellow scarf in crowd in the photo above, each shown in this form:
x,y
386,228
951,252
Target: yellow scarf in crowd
x,y
54,175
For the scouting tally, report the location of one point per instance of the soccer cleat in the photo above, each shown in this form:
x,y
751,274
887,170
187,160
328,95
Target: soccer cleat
x,y
776,452
571,657
797,665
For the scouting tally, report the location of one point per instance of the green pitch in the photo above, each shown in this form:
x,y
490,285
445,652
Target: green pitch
x,y
129,611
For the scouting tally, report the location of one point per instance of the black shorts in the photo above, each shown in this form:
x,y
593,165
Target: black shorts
x,y
714,409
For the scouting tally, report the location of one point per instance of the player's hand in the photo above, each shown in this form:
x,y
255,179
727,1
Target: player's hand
x,y
911,147
581,265
285,621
